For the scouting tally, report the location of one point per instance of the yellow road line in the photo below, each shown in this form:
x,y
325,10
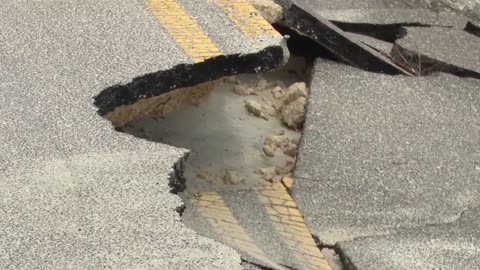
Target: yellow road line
x,y
183,29
212,207
289,223
246,17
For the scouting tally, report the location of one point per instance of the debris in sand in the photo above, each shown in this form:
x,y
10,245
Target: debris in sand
x,y
277,92
295,91
268,150
286,169
259,108
276,140
271,11
293,114
243,90
233,178
268,173
209,177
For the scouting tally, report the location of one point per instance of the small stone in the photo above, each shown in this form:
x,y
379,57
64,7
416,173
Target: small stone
x,y
295,91
293,114
259,108
277,92
243,90
254,107
268,150
209,177
233,178
275,141
268,173
286,169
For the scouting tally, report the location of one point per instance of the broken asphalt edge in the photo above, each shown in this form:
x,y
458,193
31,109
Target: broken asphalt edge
x,y
188,75
334,40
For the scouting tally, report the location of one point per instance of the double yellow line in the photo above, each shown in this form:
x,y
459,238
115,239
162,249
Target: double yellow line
x,y
278,204
193,41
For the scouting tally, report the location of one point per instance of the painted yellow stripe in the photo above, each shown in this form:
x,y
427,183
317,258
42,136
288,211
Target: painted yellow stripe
x,y
247,19
212,207
183,29
289,223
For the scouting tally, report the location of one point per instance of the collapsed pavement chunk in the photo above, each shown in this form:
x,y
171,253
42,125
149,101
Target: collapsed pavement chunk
x,y
311,24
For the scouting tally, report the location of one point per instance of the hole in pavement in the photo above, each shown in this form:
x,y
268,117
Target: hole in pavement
x,y
244,133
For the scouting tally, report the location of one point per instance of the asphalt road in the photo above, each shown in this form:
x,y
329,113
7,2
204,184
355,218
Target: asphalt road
x,y
75,194
388,166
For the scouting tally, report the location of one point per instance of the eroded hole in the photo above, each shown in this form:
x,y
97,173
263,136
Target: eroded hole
x,y
245,133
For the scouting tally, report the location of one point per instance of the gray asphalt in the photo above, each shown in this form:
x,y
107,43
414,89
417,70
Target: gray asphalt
x,y
320,5
377,44
382,154
446,45
453,245
75,194
384,15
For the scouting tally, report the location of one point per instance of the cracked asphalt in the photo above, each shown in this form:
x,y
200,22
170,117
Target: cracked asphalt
x,y
388,169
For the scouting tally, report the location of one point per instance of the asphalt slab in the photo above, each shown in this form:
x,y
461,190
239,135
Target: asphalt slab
x,y
381,152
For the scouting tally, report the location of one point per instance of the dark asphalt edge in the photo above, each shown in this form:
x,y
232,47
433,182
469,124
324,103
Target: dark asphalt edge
x,y
472,29
187,75
334,40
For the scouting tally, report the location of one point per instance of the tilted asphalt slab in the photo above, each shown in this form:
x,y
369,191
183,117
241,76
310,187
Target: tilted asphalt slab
x,y
303,17
75,194
381,154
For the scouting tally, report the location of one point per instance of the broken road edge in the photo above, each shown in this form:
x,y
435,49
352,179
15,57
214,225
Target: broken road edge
x,y
181,78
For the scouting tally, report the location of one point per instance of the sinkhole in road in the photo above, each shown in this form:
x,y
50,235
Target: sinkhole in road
x,y
244,133
242,140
